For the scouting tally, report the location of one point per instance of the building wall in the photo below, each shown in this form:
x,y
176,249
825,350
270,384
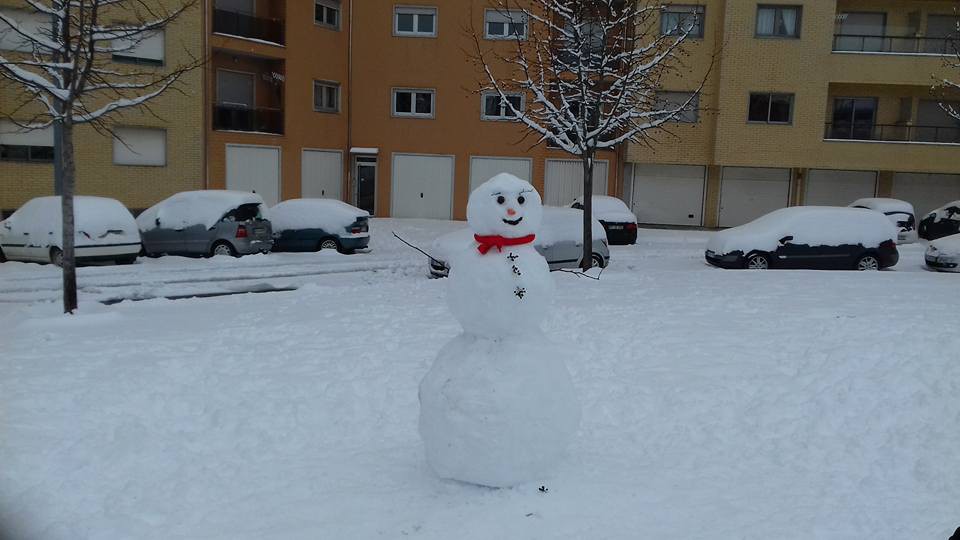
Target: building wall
x,y
179,113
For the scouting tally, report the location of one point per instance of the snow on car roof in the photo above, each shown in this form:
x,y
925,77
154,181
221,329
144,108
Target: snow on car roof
x,y
331,215
93,217
809,225
609,209
187,208
882,204
942,211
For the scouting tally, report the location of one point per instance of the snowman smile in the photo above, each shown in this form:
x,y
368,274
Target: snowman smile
x,y
514,222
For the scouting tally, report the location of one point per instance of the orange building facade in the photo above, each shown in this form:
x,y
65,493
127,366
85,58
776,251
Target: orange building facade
x,y
369,102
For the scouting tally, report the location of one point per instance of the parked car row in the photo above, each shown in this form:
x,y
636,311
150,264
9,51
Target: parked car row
x,y
193,223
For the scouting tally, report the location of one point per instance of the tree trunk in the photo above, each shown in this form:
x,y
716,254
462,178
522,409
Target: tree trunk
x,y
586,261
66,206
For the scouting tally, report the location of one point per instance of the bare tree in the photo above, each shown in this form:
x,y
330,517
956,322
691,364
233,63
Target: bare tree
x,y
66,75
590,71
944,88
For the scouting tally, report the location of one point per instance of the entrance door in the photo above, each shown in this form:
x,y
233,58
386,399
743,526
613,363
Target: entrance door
x,y
365,173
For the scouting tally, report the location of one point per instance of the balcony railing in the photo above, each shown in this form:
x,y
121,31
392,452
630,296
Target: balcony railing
x,y
239,24
892,133
893,44
234,118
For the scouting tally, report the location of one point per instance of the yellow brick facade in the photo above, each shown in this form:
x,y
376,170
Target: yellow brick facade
x,y
179,113
735,63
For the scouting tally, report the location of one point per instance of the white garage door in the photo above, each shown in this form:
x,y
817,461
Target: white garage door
x,y
926,191
564,181
485,168
838,188
668,194
747,193
254,168
321,172
422,186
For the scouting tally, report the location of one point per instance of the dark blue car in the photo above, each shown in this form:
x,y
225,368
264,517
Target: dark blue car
x,y
315,224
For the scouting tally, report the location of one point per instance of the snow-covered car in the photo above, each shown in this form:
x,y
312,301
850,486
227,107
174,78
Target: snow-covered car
x,y
204,223
619,222
105,231
900,213
812,237
943,221
559,240
315,224
944,254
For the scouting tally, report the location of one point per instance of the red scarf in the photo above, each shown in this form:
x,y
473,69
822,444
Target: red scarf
x,y
495,241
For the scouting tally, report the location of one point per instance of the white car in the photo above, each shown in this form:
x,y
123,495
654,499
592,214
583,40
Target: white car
x,y
559,240
899,212
943,254
105,231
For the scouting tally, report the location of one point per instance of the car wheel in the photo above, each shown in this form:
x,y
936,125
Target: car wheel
x,y
56,256
328,243
223,248
757,261
126,260
3,258
596,260
868,262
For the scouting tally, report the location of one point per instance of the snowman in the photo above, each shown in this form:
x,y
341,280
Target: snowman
x,y
497,408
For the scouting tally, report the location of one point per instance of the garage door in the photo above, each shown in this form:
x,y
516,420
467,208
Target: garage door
x,y
321,172
926,191
422,186
747,193
254,168
668,194
838,188
485,168
564,181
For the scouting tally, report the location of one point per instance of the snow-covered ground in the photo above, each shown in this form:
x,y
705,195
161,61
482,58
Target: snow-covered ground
x,y
716,404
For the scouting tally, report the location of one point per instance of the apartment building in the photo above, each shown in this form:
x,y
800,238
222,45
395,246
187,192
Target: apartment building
x,y
370,102
810,102
161,152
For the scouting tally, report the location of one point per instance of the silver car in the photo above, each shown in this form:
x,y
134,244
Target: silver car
x,y
206,223
559,240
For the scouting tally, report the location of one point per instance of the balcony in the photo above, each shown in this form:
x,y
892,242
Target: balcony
x,y
251,119
878,44
900,133
247,26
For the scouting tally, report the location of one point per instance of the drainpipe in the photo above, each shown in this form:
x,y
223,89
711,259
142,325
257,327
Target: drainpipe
x,y
204,92
349,158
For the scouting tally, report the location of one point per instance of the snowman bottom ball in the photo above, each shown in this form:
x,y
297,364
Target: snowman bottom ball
x,y
497,412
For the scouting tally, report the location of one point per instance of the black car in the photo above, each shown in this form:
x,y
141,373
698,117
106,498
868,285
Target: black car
x,y
808,237
943,221
618,221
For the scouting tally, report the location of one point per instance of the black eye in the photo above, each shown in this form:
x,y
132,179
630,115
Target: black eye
x,y
501,199
520,199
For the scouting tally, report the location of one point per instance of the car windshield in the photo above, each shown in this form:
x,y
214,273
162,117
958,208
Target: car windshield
x,y
244,212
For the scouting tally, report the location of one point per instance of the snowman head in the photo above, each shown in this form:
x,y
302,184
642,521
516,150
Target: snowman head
x,y
504,206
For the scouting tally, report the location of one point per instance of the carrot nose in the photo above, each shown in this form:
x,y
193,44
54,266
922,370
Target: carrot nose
x,y
511,212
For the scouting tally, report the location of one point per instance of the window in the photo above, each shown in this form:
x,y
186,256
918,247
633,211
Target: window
x,y
415,21
142,49
30,21
778,21
247,7
941,34
771,108
853,118
495,108
505,24
671,101
18,144
235,89
413,103
327,13
326,96
678,19
140,146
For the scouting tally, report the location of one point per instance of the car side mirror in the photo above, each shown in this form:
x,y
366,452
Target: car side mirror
x,y
786,239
